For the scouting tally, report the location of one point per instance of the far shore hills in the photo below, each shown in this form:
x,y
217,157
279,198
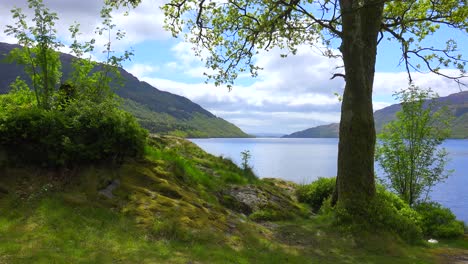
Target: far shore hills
x,y
457,103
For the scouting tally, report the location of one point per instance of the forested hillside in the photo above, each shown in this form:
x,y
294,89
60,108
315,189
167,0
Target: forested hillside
x,y
158,111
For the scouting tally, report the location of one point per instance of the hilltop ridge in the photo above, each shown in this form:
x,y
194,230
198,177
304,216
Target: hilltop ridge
x,y
457,104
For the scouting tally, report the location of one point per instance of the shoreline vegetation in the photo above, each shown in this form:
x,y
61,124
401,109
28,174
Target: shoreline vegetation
x,y
179,204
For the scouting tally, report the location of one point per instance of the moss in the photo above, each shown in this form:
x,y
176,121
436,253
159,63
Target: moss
x,y
267,200
156,217
234,204
270,214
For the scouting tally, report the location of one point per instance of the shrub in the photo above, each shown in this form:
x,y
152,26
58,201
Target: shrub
x,y
79,133
385,213
439,222
316,192
102,131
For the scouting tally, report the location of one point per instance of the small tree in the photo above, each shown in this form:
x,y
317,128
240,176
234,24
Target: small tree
x,y
38,55
95,79
245,155
408,147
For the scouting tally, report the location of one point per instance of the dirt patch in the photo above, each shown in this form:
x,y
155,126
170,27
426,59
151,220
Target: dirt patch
x,y
454,257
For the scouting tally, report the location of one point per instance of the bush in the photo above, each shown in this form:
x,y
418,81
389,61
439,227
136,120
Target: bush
x,y
81,132
439,222
385,213
316,192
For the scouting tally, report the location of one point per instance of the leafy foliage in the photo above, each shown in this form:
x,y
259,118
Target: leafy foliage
x,y
76,122
408,147
230,34
385,213
79,133
95,79
437,221
38,54
316,192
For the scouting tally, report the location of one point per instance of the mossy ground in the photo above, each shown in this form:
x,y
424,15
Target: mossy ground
x,y
167,209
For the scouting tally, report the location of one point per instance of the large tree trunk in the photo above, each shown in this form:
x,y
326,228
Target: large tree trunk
x,y
355,183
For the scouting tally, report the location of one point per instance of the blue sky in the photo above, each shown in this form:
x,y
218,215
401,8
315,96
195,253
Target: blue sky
x,y
288,95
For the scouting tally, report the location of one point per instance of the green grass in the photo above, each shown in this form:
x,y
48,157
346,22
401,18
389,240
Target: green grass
x,y
50,229
167,210
53,229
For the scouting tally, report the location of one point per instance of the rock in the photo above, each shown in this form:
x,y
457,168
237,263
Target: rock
x,y
244,199
107,192
288,186
264,201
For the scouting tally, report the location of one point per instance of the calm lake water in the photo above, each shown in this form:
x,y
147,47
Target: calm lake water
x,y
304,160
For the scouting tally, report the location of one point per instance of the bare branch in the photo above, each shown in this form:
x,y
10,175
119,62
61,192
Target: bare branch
x,y
338,75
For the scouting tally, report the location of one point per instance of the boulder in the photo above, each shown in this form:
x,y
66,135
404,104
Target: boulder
x,y
265,200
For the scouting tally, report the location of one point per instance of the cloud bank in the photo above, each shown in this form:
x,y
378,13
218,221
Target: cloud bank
x,y
289,94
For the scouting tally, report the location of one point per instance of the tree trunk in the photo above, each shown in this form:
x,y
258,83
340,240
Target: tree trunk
x,y
355,184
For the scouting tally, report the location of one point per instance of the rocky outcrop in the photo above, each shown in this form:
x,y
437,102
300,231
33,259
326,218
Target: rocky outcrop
x,y
107,192
271,199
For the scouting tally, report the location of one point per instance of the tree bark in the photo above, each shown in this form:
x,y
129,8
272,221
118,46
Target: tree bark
x,y
355,184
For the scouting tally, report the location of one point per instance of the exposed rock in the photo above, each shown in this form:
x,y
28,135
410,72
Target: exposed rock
x,y
107,192
249,198
265,201
288,186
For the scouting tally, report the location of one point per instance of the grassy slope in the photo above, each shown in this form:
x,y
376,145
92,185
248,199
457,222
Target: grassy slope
x,y
167,210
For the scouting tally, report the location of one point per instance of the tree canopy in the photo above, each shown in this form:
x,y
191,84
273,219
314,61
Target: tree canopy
x,y
232,32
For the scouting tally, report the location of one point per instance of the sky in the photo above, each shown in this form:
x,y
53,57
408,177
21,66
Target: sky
x,y
288,95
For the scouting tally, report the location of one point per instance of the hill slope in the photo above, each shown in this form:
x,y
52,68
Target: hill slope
x,y
158,111
457,103
177,205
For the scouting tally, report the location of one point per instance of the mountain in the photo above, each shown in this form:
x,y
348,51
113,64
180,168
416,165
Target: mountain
x,y
457,103
267,135
324,131
158,111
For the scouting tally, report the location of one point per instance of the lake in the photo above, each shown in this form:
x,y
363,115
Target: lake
x,y
303,160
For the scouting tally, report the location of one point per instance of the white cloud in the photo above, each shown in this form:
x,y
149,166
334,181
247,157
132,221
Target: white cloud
x,y
142,24
289,94
141,70
386,83
380,105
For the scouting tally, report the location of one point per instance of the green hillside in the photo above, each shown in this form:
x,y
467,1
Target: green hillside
x,y
457,103
158,111
325,131
179,204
